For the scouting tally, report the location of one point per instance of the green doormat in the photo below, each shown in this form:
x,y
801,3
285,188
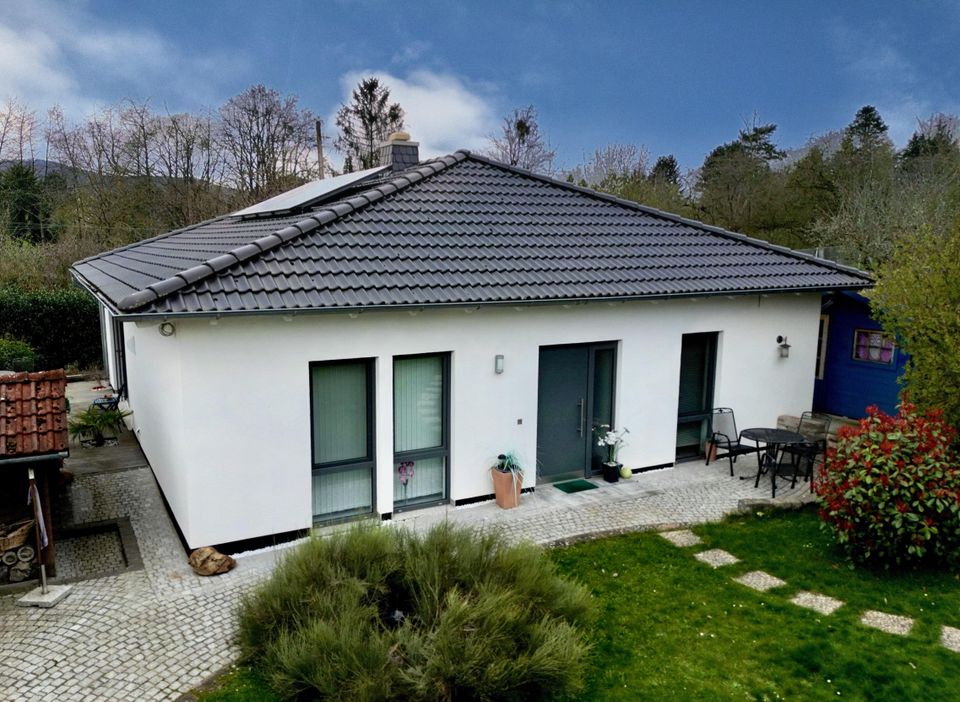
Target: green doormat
x,y
575,486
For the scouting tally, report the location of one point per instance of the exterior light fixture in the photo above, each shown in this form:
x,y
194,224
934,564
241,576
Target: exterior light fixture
x,y
498,364
167,329
784,347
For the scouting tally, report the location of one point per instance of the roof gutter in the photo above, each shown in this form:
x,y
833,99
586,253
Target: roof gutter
x,y
126,316
34,459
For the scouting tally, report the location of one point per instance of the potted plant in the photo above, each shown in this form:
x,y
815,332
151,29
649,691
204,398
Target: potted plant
x,y
93,422
610,442
507,480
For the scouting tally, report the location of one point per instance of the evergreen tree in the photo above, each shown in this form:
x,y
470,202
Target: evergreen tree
x,y
22,204
867,130
365,123
665,170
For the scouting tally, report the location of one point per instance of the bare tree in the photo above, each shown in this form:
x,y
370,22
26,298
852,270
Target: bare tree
x,y
612,162
268,142
191,167
18,132
521,144
365,123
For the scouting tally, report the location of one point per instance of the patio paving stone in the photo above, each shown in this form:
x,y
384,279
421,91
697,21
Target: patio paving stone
x,y
681,538
817,602
890,623
760,581
716,557
950,638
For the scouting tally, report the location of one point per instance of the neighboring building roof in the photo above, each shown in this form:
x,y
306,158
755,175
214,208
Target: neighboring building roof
x,y
459,230
33,414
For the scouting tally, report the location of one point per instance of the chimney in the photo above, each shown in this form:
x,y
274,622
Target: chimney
x,y
399,152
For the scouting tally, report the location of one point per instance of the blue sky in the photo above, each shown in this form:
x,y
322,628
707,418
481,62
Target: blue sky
x,y
678,77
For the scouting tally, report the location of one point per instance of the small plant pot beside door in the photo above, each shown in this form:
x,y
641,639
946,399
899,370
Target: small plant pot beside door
x,y
611,472
507,481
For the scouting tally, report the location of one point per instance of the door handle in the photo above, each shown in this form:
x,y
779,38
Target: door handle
x,y
582,407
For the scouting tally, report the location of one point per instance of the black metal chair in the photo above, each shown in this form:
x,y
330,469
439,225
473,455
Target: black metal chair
x,y
797,458
724,436
814,427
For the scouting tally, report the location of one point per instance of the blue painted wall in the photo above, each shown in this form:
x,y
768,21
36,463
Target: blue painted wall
x,y
849,386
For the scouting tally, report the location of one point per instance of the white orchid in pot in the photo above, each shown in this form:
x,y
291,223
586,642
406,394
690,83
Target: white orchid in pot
x,y
610,442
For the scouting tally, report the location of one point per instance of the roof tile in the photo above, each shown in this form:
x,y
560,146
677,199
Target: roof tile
x,y
460,229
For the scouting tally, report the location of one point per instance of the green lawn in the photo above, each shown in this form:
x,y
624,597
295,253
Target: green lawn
x,y
671,628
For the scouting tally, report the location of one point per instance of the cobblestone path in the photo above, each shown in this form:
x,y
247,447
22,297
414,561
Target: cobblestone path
x,y
155,633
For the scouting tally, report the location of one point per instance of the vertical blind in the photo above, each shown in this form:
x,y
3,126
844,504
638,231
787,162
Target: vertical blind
x,y
341,436
339,412
418,424
339,492
417,403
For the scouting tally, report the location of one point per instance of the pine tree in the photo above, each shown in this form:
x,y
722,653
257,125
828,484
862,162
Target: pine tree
x,y
365,123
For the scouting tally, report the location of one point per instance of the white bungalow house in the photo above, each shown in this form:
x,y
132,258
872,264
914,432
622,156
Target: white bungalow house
x,y
283,362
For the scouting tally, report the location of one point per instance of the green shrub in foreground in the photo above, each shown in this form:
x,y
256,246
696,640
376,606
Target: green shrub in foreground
x,y
386,614
16,355
890,490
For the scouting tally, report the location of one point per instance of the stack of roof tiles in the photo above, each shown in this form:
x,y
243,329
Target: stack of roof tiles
x,y
33,414
458,230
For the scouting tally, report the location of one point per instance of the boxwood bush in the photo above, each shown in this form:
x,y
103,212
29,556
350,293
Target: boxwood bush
x,y
61,324
386,614
890,490
16,355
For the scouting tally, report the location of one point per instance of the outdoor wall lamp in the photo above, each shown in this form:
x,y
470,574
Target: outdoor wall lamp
x,y
784,347
167,329
498,364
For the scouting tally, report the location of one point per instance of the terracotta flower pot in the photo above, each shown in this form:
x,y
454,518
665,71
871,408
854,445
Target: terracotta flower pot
x,y
506,489
710,449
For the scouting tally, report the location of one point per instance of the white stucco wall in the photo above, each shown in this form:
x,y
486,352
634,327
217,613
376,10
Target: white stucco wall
x,y
155,394
109,348
223,409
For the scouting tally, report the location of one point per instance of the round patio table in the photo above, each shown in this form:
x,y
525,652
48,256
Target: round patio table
x,y
772,439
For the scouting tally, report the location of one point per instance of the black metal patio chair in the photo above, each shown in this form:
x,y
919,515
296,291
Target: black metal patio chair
x,y
724,436
814,427
795,459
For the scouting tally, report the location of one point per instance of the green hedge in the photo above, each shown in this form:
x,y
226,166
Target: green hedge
x,y
61,324
16,355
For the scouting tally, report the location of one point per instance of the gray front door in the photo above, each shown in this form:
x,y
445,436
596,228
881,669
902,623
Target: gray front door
x,y
575,393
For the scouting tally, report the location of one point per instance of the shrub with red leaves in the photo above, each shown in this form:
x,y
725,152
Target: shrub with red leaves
x,y
890,490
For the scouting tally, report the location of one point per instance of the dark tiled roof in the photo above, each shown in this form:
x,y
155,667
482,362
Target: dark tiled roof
x,y
458,230
33,414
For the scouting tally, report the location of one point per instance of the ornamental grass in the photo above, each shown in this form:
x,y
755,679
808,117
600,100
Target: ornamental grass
x,y
387,614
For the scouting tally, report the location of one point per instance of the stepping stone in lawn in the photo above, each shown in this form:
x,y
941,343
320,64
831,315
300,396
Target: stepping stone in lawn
x,y
890,623
950,638
816,602
716,557
760,581
681,538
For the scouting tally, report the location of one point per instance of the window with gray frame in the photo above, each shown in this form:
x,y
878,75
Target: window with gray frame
x,y
342,424
421,436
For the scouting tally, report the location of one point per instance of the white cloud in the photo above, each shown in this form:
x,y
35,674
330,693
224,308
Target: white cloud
x,y
892,83
443,113
63,54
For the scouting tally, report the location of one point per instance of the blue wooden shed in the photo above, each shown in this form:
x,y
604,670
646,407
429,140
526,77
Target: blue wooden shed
x,y
858,364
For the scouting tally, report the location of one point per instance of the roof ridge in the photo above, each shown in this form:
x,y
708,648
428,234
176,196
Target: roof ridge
x,y
590,192
255,248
